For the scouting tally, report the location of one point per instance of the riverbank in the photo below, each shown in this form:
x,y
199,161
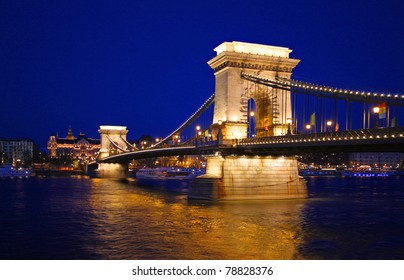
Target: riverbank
x,y
61,173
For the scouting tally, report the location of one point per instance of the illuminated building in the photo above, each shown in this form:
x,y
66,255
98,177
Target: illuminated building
x,y
82,148
378,159
16,151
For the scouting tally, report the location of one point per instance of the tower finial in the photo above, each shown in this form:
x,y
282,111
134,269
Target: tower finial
x,y
70,133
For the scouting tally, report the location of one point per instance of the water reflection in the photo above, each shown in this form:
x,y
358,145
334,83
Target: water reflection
x,y
82,218
135,223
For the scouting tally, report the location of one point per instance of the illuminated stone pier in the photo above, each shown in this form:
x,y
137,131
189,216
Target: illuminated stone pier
x,y
243,178
112,170
113,141
250,177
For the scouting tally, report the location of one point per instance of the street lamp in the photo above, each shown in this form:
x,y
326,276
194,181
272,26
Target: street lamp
x,y
289,122
329,124
376,111
198,134
198,131
308,127
219,135
251,124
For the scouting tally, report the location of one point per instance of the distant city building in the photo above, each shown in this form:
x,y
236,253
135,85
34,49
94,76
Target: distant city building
x,y
18,152
82,148
379,159
145,141
324,159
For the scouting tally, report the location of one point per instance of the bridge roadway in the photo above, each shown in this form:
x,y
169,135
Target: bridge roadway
x,y
367,140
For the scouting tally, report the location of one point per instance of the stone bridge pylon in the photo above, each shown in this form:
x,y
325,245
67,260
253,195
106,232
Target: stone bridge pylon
x,y
250,177
273,106
113,140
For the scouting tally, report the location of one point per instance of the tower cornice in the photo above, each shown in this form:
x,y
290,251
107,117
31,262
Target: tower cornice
x,y
252,61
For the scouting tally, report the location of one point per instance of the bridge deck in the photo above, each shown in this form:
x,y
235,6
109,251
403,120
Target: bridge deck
x,y
369,140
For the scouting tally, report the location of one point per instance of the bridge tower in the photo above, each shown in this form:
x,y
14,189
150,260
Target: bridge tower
x,y
109,134
232,92
113,141
255,176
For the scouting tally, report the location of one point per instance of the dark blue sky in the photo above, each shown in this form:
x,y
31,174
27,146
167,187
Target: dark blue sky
x,y
143,63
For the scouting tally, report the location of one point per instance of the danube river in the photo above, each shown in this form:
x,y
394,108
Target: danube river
x,y
82,218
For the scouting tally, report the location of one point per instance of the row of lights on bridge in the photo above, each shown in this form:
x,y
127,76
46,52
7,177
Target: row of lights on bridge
x,y
243,142
329,89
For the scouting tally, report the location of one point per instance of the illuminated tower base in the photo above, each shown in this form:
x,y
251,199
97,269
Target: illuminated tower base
x,y
107,170
243,178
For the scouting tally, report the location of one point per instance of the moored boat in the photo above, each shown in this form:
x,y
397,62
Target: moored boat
x,y
8,170
368,173
332,172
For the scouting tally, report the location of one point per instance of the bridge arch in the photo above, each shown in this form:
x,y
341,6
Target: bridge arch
x,y
252,116
262,110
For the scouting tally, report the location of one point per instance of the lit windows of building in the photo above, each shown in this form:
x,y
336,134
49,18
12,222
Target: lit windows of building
x,y
377,159
18,152
81,149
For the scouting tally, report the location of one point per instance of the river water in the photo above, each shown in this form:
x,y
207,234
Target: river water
x,y
83,218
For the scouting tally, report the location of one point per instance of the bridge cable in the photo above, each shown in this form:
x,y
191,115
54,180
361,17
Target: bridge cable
x,y
116,145
131,147
189,121
314,89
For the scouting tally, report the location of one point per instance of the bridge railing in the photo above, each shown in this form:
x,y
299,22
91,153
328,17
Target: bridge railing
x,y
194,142
373,133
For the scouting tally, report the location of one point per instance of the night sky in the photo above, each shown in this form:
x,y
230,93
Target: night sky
x,y
142,64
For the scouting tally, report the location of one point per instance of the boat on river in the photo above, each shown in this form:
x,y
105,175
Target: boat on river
x,y
7,170
170,178
367,171
324,172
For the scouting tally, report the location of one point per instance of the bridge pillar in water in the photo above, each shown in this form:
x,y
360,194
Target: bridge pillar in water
x,y
112,170
117,134
249,177
232,92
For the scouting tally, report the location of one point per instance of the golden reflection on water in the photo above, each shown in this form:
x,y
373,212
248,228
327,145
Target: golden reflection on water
x,y
137,223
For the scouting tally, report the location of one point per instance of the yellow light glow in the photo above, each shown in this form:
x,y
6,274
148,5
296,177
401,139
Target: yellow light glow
x,y
242,47
112,127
